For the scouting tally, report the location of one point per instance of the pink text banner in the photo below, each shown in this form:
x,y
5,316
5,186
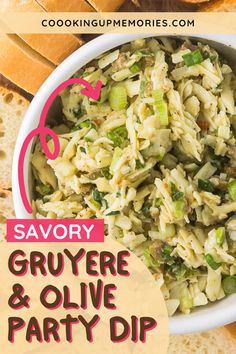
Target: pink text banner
x,y
55,230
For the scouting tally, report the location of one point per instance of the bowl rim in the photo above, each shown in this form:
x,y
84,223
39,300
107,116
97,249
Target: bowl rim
x,y
204,318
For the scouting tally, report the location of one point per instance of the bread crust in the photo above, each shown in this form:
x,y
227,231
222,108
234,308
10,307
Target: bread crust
x,y
231,331
218,6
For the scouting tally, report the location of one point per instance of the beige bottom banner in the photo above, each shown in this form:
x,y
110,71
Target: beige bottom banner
x,y
77,298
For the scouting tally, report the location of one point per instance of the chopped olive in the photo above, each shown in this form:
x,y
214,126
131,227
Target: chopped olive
x,y
229,285
157,202
178,270
77,112
205,185
193,217
44,189
115,212
106,173
139,164
82,149
146,209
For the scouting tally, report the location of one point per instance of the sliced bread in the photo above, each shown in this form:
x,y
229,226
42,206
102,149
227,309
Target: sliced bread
x,y
54,47
106,5
219,6
6,211
12,110
216,341
65,5
22,65
194,1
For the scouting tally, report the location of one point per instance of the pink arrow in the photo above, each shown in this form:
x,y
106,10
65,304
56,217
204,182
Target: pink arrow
x,y
43,132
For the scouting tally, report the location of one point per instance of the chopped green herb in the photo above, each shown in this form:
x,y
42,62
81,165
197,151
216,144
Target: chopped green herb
x,y
211,262
176,194
95,203
205,185
87,124
193,58
166,252
118,135
98,196
229,285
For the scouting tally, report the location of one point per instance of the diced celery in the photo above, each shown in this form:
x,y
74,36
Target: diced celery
x,y
91,136
150,260
232,189
161,106
179,208
220,235
186,301
118,98
135,68
116,156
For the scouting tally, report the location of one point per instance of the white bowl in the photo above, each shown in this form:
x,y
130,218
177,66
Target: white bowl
x,y
203,318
